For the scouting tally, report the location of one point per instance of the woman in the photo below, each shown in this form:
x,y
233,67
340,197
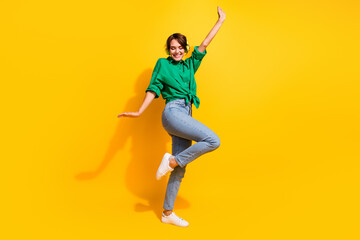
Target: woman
x,y
173,78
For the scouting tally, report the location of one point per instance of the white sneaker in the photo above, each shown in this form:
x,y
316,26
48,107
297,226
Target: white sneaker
x,y
174,219
164,167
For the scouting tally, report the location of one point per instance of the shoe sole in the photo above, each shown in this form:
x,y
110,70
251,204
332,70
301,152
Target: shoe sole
x,y
165,221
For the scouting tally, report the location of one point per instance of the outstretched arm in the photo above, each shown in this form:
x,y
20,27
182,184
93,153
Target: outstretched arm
x,y
213,31
147,100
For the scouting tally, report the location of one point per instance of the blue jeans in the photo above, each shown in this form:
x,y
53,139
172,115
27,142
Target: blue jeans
x,y
178,122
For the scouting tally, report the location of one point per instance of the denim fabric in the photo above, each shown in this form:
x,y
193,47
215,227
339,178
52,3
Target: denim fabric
x,y
177,120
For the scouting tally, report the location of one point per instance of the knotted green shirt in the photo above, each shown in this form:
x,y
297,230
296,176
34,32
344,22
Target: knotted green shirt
x,y
175,79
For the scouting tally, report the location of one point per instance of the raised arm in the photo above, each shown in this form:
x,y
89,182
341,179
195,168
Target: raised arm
x,y
213,31
147,100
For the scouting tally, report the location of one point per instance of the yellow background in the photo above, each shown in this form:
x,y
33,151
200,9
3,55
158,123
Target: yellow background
x,y
279,85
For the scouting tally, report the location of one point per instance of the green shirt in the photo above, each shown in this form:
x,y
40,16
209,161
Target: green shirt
x,y
175,79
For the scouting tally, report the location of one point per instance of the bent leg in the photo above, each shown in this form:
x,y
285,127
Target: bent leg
x,y
182,125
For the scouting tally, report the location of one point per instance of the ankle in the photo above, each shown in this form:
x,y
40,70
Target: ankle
x,y
173,162
167,212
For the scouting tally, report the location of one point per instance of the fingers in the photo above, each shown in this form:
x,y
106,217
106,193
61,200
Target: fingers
x,y
129,114
220,10
221,13
123,114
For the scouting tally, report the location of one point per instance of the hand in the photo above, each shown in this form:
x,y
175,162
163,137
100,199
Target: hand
x,y
129,114
221,14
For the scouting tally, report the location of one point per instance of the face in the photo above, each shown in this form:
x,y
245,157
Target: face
x,y
176,50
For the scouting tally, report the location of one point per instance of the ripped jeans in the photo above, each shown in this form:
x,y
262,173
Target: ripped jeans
x,y
178,122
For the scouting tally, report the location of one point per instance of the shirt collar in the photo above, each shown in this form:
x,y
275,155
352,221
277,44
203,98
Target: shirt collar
x,y
171,60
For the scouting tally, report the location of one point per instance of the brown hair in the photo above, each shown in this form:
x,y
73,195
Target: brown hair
x,y
180,38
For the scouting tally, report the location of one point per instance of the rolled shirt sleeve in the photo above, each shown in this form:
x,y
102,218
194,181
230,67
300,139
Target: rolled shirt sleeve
x,y
196,58
155,84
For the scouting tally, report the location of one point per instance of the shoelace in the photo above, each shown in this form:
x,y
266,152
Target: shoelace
x,y
179,219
